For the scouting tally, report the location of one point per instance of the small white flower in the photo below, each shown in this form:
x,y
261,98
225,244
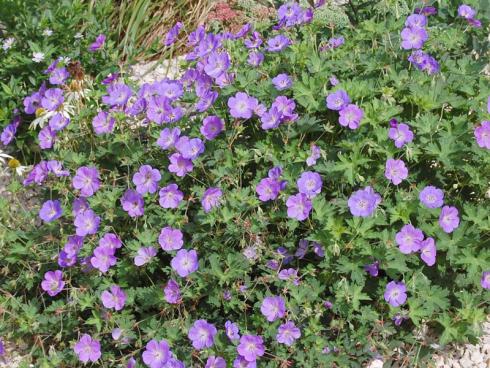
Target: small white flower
x,y
78,35
37,57
4,156
7,43
65,59
47,32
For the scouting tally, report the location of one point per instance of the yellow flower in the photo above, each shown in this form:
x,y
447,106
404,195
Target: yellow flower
x,y
13,163
39,111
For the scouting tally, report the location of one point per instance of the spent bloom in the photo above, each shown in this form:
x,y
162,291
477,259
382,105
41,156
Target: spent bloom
x,y
202,334
156,353
287,333
98,43
431,197
299,206
449,219
86,180
372,268
50,211
53,282
133,203
428,251
273,307
170,196
172,34
87,349
400,134
395,171
114,298
351,116
395,293
146,179
409,239
185,262
363,202
171,239
211,198
251,347
315,154
145,254
172,292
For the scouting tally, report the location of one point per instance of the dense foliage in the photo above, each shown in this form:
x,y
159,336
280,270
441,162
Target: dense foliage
x,y
297,197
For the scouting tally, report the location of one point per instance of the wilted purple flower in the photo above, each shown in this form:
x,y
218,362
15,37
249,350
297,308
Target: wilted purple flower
x,y
273,307
111,78
351,116
8,133
211,127
211,198
53,282
482,133
328,304
179,165
314,155
398,319
466,11
170,196
255,58
172,292
333,43
47,137
215,362
58,122
400,134
156,354
424,61
202,334
172,34
103,123
251,347
372,268
449,219
310,183
168,138
426,10
86,223
395,171
318,249
413,38
146,179
232,330
485,280
299,206
416,21
52,99
113,299
286,107
171,239
145,254
50,211
363,202
428,251
118,95
287,333
217,63
254,41
87,349
133,203
86,179
56,168
185,262
58,76
431,197
289,274
98,44
282,81
190,148
396,293
278,43
268,189
206,100
241,106
409,239
333,80
227,295
79,206
474,23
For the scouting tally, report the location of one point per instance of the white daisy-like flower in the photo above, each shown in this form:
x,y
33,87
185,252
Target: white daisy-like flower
x,y
4,157
65,59
7,43
37,57
78,35
47,32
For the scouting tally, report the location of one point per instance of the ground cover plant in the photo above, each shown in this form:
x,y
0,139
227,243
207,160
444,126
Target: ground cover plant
x,y
301,196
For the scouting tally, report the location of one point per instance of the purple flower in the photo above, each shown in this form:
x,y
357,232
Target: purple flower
x,y
431,197
190,148
449,219
363,202
86,179
424,61
56,168
131,363
50,211
268,189
170,196
310,183
485,280
241,106
314,155
79,206
185,262
395,171
103,258
254,41
172,34
168,138
211,198
47,137
400,134
241,362
86,223
115,298
58,76
202,334
398,319
215,362
255,58
351,116
278,43
271,119
289,274
179,165
118,95
428,251
145,254
156,354
171,239
413,38
159,108
111,241
103,123
52,99
58,122
146,179
8,133
482,133
396,293
172,292
466,12
87,349
299,206
273,307
232,330
282,82
409,239
290,14
98,44
333,80
251,347
217,63
133,203
338,100
111,78
426,10
372,268
53,282
212,126
416,21
287,333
